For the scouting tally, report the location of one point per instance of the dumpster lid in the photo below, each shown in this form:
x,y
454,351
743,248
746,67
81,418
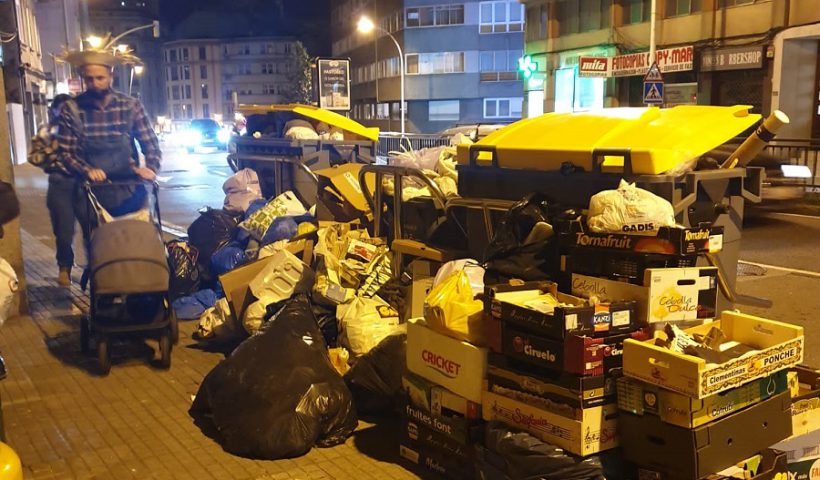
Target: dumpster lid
x,y
315,113
667,136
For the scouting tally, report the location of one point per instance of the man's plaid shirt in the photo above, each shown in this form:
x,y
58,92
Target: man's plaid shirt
x,y
106,123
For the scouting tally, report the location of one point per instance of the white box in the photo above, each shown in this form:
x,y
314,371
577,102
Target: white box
x,y
455,365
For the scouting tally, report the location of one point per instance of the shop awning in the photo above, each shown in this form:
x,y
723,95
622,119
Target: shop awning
x,y
658,139
314,113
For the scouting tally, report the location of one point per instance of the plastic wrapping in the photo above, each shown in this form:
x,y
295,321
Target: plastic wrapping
x,y
217,323
241,189
376,378
474,271
258,223
528,458
509,255
210,232
192,307
183,258
364,322
629,209
227,258
451,308
254,317
278,394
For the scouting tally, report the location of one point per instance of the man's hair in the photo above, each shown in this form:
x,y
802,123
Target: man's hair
x,y
81,69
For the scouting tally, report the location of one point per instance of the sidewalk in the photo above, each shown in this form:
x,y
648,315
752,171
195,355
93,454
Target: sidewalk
x,y
66,422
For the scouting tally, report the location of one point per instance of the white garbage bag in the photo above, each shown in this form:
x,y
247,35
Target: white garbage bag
x,y
9,285
217,322
300,130
629,209
254,316
365,322
241,189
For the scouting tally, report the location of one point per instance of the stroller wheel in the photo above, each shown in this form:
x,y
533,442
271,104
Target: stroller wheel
x,y
85,335
165,346
103,356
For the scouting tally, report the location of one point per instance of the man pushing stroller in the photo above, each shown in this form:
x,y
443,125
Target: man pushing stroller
x,y
96,134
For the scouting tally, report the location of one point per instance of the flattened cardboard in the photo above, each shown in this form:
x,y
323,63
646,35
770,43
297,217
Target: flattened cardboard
x,y
779,346
678,453
595,432
235,285
453,364
641,398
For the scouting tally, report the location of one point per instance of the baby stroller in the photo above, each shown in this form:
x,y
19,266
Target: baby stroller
x,y
128,273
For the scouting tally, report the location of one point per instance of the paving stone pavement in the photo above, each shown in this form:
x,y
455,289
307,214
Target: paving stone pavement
x,y
67,422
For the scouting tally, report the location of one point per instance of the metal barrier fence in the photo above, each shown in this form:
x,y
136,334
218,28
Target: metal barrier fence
x,y
394,142
798,152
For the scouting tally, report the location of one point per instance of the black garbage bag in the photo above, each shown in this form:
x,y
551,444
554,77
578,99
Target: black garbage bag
x,y
508,255
182,258
528,458
375,379
277,395
212,230
326,319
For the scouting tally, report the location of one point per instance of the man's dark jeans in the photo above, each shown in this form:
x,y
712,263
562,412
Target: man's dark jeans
x,y
62,191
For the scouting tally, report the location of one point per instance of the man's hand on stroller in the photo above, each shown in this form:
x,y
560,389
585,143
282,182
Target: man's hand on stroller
x,y
145,174
96,175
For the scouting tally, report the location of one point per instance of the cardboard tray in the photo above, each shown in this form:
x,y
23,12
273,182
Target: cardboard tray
x,y
773,466
595,432
678,453
640,398
573,390
580,319
806,405
579,355
779,345
665,241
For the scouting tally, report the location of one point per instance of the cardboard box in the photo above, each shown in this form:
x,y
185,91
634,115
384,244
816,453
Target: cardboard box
x,y
678,453
580,355
339,193
666,240
641,398
423,272
573,390
235,284
437,399
801,448
417,434
779,346
595,432
806,405
668,294
455,365
509,303
437,462
808,469
458,429
768,465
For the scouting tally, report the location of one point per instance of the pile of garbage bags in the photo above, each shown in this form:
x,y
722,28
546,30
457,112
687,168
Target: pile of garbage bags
x,y
436,163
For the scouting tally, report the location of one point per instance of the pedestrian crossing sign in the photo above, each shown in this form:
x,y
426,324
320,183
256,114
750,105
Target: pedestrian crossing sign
x,y
654,74
653,93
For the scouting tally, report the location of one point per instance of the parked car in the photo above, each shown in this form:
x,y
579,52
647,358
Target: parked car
x,y
205,132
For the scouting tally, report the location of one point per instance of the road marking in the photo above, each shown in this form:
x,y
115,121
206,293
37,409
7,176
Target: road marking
x,y
174,230
217,172
796,215
797,271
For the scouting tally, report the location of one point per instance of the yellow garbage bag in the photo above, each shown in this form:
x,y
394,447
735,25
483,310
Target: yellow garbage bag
x,y
451,309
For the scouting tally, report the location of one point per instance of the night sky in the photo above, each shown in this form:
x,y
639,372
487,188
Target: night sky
x,y
305,19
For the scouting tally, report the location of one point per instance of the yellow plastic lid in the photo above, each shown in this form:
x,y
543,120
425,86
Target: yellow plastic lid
x,y
333,119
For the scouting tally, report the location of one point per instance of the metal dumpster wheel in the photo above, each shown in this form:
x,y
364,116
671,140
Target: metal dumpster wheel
x,y
103,355
165,346
85,335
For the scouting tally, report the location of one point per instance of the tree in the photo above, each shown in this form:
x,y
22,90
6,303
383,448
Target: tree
x,y
298,83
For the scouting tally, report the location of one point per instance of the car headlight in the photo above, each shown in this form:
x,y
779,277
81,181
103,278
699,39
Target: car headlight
x,y
223,136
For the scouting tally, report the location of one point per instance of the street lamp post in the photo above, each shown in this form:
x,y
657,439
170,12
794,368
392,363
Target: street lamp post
x,y
366,25
135,70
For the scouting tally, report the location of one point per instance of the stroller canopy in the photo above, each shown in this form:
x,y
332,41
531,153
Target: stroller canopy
x,y
128,256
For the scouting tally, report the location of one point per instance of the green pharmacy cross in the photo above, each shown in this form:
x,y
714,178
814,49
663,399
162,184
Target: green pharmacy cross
x,y
526,66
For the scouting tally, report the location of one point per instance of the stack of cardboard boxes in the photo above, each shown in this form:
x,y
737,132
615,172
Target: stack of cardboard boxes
x,y
802,449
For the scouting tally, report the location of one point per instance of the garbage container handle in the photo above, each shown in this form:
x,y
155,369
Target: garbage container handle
x,y
599,155
476,149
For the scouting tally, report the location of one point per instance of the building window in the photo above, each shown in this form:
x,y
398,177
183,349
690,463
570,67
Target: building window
x,y
676,8
583,16
245,49
537,22
269,89
186,72
177,112
203,72
167,74
206,110
229,95
175,92
243,69
173,53
433,16
734,3
187,91
204,90
433,63
287,49
202,53
499,66
503,107
185,54
636,11
268,69
501,17
443,110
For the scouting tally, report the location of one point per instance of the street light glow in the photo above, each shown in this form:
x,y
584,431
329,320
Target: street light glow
x,y
94,41
122,48
138,69
365,25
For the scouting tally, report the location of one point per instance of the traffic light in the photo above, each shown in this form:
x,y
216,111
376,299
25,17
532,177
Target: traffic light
x,y
526,66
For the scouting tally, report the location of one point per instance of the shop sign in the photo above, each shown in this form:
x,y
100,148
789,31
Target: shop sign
x,y
740,58
334,84
677,59
680,94
573,58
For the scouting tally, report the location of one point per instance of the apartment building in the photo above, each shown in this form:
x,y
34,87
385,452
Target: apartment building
x,y
461,61
202,75
59,24
593,54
